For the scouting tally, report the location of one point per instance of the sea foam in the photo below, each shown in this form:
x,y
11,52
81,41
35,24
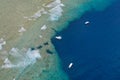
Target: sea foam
x,y
56,11
22,59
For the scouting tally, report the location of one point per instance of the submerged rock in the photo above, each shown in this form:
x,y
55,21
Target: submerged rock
x,y
39,47
46,43
49,52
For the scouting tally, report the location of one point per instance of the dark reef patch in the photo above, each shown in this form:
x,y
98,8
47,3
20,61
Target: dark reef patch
x,y
39,47
46,43
32,49
49,52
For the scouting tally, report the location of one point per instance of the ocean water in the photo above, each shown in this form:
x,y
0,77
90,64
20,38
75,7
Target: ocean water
x,y
39,21
94,49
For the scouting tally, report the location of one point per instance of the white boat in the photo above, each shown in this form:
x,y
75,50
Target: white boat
x,y
87,22
58,37
70,65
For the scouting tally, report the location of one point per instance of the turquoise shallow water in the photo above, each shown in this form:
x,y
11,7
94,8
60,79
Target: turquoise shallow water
x,y
94,49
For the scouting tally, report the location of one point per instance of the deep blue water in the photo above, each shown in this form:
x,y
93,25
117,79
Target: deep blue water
x,y
94,49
